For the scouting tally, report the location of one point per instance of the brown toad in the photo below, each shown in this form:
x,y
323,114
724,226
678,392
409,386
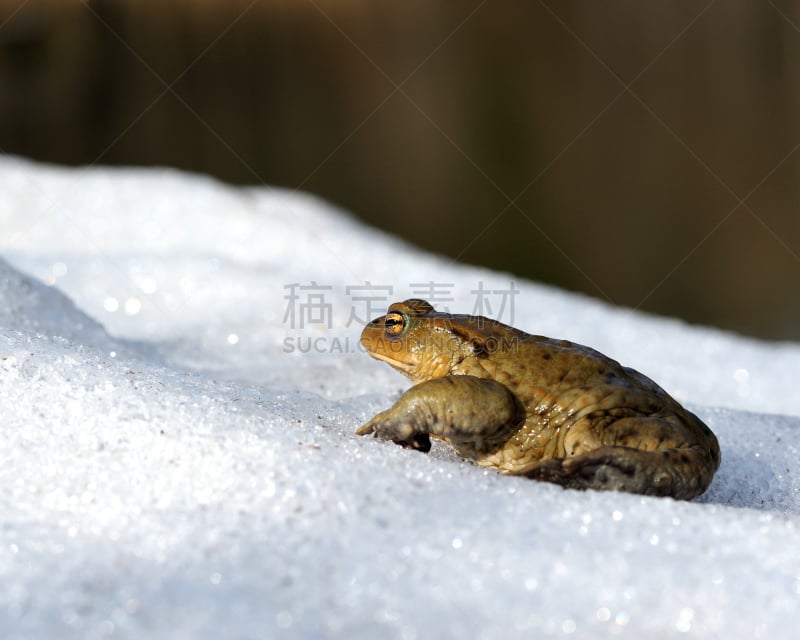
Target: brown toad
x,y
532,406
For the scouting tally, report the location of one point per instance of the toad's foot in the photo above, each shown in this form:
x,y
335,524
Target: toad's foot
x,y
401,429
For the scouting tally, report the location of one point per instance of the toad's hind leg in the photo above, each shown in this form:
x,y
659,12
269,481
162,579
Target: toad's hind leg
x,y
682,473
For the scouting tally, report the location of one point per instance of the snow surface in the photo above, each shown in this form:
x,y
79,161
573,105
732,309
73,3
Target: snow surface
x,y
173,466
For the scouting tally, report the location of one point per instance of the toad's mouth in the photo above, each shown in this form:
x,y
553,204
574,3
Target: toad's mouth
x,y
400,365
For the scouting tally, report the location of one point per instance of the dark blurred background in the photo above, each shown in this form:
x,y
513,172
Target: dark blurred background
x,y
645,153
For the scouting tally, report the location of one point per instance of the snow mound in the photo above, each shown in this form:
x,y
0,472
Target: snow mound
x,y
29,306
181,378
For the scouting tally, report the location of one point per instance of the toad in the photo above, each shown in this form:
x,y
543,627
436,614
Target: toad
x,y
527,405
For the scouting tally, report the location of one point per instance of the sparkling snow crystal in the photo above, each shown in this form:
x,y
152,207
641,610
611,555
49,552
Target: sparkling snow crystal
x,y
180,379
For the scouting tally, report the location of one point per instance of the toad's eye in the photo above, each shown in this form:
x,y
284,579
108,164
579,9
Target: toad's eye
x,y
394,323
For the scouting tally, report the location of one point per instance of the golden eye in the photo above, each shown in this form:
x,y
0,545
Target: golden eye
x,y
394,323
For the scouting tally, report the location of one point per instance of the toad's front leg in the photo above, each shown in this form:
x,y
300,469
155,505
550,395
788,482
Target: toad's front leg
x,y
473,414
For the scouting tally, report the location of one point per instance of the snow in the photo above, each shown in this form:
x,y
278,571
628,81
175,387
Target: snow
x,y
177,463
